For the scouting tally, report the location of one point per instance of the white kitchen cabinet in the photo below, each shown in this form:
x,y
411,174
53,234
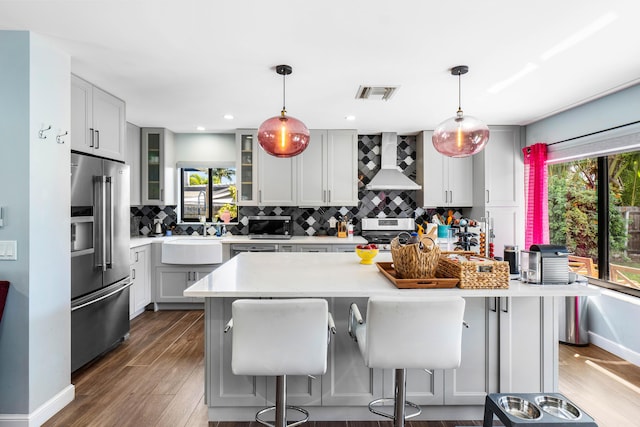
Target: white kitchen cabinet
x,y
328,169
499,187
445,181
140,291
348,382
172,281
97,121
134,161
246,167
514,335
325,174
276,180
158,177
498,170
230,389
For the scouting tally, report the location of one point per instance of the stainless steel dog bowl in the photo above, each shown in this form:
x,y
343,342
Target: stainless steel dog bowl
x,y
519,407
558,407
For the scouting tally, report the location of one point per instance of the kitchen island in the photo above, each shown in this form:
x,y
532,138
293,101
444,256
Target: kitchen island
x,y
510,346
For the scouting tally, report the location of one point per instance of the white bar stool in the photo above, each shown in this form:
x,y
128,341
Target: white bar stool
x,y
280,337
408,332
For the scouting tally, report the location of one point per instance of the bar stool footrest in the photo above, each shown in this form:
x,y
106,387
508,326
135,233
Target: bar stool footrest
x,y
383,400
273,408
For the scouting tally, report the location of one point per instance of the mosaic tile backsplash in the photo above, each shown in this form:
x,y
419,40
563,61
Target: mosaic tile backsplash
x,y
314,221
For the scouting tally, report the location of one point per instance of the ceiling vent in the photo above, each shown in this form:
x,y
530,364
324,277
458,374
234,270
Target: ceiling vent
x,y
378,93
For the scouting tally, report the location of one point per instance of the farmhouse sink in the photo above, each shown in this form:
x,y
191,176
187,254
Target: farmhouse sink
x,y
192,251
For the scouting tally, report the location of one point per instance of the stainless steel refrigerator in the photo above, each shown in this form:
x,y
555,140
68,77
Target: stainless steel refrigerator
x,y
99,256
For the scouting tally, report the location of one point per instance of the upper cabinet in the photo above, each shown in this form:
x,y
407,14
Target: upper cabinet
x,y
97,121
328,169
158,167
246,170
325,174
498,170
276,180
446,181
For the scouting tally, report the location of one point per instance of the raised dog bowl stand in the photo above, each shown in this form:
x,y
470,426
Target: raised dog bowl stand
x,y
542,414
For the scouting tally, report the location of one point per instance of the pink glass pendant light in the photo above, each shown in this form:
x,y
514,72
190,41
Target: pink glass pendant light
x,y
283,136
460,136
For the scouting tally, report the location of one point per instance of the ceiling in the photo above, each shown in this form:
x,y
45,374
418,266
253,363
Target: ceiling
x,y
182,64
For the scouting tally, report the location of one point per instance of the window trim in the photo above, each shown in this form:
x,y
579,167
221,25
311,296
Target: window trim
x,y
204,165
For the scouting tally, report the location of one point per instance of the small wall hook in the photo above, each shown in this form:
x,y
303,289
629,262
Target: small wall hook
x,y
41,132
59,137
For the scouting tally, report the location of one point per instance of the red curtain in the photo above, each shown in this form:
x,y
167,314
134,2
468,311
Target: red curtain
x,y
536,199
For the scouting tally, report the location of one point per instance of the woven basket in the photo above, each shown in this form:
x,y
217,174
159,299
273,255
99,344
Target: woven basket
x,y
413,262
471,276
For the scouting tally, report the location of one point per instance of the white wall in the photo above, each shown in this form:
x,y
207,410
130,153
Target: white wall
x,y
35,331
199,146
610,313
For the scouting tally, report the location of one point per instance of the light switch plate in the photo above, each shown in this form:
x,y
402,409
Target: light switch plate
x,y
8,250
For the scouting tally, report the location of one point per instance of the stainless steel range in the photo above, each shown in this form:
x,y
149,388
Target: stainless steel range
x,y
381,230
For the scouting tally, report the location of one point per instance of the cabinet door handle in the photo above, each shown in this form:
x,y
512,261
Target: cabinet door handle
x,y
188,276
329,199
133,274
324,195
97,139
137,253
487,196
495,304
446,196
162,194
91,138
450,196
506,304
259,196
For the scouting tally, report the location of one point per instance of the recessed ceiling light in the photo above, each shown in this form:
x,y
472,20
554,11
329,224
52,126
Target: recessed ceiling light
x,y
200,128
350,118
228,116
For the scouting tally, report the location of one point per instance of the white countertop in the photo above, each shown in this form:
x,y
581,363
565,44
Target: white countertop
x,y
237,239
335,275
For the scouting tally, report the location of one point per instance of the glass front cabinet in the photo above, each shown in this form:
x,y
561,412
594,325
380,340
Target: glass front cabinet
x,y
246,145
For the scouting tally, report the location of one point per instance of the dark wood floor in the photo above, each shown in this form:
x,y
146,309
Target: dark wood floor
x,y
156,379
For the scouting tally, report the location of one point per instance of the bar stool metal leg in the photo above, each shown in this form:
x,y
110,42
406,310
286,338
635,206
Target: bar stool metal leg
x,y
401,397
281,407
399,401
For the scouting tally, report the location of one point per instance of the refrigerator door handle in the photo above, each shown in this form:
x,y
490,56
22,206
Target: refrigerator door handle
x,y
103,222
88,303
109,259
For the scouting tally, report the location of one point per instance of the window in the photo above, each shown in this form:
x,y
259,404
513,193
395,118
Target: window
x,y
208,194
601,228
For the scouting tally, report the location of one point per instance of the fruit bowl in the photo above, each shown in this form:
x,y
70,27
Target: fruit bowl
x,y
366,253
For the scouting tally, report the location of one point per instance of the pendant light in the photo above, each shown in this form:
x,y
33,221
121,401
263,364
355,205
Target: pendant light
x,y
283,136
460,136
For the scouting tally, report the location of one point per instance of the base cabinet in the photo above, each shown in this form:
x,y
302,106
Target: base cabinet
x,y
172,281
140,294
510,346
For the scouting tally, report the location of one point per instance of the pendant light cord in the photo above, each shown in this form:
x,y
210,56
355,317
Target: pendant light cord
x,y
284,83
459,92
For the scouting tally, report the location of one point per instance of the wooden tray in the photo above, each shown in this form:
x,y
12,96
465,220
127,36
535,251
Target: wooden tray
x,y
387,269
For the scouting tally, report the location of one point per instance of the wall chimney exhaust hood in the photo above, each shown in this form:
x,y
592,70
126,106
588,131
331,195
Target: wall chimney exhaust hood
x,y
390,177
